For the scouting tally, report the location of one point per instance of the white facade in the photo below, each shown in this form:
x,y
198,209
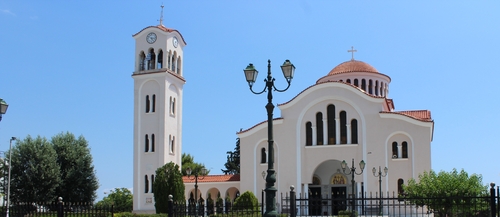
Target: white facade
x,y
346,115
158,90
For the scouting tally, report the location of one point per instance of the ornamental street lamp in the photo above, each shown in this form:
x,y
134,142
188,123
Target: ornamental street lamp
x,y
8,180
3,108
251,75
198,175
380,175
353,172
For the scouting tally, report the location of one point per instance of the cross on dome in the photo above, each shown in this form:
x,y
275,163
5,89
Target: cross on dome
x,y
161,15
352,51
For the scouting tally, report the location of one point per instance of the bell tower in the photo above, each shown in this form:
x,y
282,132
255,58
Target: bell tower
x,y
158,90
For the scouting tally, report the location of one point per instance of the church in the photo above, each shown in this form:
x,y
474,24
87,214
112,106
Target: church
x,y
346,115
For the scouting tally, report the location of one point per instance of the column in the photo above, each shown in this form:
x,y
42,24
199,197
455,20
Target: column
x,y
400,150
348,126
325,131
337,131
314,136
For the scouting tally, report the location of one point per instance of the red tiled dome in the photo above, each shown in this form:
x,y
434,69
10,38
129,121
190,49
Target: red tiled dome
x,y
352,66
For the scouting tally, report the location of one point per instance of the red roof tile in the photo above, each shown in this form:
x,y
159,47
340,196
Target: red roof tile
x,y
242,131
163,28
421,115
213,178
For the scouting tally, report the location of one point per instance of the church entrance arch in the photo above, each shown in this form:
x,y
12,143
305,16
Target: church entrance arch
x,y
328,190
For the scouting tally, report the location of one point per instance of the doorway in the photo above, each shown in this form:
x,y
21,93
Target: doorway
x,y
315,201
339,197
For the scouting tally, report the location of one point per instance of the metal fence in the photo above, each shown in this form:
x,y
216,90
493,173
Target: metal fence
x,y
365,204
59,209
368,204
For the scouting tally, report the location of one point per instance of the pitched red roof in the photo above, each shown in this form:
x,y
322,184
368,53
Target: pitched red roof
x,y
213,178
421,115
242,131
163,28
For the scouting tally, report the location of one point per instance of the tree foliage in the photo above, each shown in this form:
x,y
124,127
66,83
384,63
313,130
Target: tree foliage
x,y
233,160
78,179
43,170
168,181
35,175
120,198
188,162
246,201
450,191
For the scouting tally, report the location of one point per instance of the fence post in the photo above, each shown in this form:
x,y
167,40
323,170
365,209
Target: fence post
x,y
492,201
262,204
170,206
60,208
293,211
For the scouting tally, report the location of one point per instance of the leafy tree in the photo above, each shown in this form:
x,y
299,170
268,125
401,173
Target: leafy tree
x,y
188,162
78,179
233,160
447,192
168,181
246,201
35,174
120,198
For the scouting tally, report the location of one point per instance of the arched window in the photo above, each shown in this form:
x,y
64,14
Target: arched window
x,y
309,134
160,60
319,128
341,80
170,144
363,84
394,150
172,105
146,143
330,115
174,61
405,149
401,182
154,103
354,131
356,82
150,58
142,59
173,144
343,127
147,103
263,155
349,81
370,86
376,88
152,142
152,183
316,180
146,184
178,65
169,60
382,89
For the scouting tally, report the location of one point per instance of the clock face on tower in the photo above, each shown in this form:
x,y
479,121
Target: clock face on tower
x,y
175,42
151,38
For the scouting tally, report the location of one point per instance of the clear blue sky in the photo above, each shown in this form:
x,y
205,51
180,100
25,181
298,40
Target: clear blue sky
x,y
67,65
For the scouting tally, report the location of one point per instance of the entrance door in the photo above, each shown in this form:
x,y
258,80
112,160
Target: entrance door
x,y
339,197
315,201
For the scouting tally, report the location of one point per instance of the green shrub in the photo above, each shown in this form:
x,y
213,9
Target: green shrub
x,y
347,213
246,201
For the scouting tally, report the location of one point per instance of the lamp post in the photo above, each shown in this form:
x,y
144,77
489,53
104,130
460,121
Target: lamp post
x,y
8,180
251,75
353,172
196,177
3,108
380,175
